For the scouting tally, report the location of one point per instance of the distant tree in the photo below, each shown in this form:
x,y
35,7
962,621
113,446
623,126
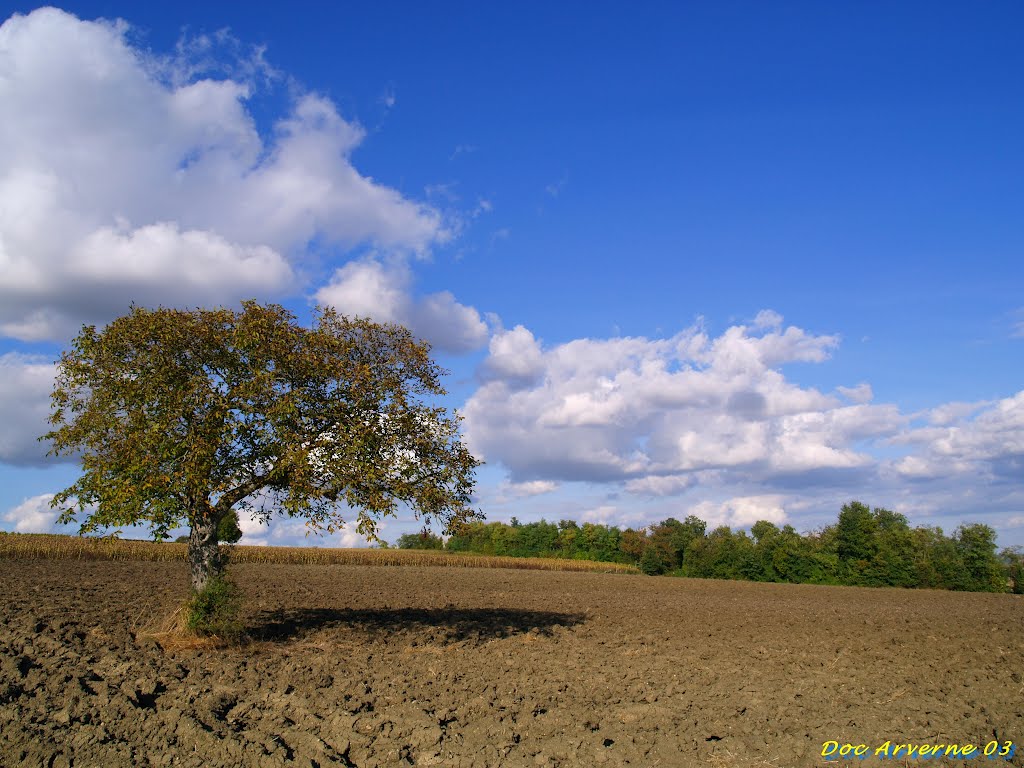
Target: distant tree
x,y
538,539
1013,561
856,541
673,537
568,535
937,563
893,561
976,545
652,562
425,539
228,530
632,544
768,545
180,417
723,554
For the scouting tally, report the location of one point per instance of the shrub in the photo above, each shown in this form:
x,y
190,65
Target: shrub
x,y
214,610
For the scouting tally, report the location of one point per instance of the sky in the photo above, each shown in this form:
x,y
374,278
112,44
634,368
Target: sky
x,y
738,260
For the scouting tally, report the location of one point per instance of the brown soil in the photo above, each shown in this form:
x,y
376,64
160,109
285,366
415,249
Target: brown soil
x,y
366,666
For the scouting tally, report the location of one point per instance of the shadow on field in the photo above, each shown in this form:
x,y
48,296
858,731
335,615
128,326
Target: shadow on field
x,y
448,624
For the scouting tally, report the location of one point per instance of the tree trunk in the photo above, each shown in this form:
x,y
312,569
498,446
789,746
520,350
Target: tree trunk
x,y
203,553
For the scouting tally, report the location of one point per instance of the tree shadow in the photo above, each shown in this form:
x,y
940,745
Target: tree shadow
x,y
445,625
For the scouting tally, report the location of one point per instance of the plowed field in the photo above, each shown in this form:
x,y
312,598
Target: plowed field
x,y
373,666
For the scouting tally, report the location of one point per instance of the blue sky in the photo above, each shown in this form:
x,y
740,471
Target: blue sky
x,y
740,260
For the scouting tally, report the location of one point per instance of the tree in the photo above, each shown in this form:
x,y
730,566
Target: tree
x,y
982,570
1013,560
856,541
673,537
633,543
228,530
181,417
652,562
723,554
893,563
425,539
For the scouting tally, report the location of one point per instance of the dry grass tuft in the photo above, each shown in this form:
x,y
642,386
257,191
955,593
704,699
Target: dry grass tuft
x,y
171,634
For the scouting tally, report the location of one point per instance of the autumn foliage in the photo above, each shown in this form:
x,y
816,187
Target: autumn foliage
x,y
182,417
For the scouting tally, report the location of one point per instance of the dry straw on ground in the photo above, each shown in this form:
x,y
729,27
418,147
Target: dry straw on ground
x,y
59,547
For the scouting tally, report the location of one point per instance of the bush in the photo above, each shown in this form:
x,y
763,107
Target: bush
x,y
651,562
214,611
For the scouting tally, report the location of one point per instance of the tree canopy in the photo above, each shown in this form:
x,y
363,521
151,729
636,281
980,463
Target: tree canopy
x,y
180,417
865,547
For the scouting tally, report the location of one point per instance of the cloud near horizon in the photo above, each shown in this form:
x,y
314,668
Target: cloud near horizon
x,y
637,409
715,424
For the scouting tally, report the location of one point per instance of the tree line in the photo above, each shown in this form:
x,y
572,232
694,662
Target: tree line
x,y
865,547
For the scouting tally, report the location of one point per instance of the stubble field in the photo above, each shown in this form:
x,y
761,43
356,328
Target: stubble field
x,y
373,666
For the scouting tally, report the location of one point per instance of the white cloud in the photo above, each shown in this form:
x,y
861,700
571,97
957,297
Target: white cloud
x,y
768,319
741,511
978,440
660,485
862,393
653,413
369,288
950,413
604,514
35,515
507,491
25,385
128,177
1017,328
515,357
532,488
289,532
747,510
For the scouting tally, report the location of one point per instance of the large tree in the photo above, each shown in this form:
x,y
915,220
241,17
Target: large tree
x,y
180,417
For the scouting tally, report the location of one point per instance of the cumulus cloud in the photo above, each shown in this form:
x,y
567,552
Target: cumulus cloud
x,y
604,514
25,385
741,511
661,485
678,424
382,292
285,532
654,412
507,491
980,440
128,177
514,357
35,515
862,393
